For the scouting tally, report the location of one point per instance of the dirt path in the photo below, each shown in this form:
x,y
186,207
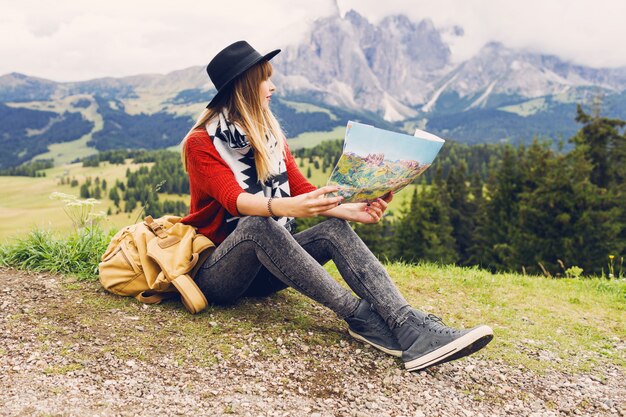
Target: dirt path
x,y
60,355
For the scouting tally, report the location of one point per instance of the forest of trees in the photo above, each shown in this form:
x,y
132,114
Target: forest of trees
x,y
532,208
30,169
142,186
27,133
527,208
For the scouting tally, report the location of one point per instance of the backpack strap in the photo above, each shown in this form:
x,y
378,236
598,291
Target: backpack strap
x,y
149,297
191,296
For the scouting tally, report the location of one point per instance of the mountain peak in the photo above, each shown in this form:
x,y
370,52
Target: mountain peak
x,y
15,75
355,18
18,76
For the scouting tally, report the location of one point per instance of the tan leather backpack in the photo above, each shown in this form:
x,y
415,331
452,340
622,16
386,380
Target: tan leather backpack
x,y
154,260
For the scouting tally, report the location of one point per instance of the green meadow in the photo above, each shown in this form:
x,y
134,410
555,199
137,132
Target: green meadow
x,y
25,202
310,139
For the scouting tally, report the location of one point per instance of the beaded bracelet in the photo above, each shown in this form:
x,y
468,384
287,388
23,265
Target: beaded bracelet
x,y
269,207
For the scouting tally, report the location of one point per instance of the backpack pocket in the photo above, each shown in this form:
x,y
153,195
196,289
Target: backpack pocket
x,y
120,271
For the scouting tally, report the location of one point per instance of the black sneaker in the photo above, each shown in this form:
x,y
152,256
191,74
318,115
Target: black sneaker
x,y
427,341
368,326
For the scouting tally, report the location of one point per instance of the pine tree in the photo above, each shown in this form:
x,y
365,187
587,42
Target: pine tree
x,y
84,191
424,230
501,212
409,242
475,253
442,247
602,145
462,211
539,194
377,237
130,205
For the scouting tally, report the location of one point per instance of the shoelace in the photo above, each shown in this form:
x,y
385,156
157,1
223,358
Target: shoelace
x,y
437,324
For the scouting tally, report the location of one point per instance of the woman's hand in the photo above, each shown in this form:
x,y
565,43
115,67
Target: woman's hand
x,y
363,212
307,205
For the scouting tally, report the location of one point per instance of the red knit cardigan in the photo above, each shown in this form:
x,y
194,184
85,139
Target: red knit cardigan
x,y
214,189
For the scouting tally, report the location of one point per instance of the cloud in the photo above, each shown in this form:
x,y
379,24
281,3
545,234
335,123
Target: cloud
x,y
73,40
76,40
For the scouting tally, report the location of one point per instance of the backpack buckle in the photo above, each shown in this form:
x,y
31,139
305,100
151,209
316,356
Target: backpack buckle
x,y
156,228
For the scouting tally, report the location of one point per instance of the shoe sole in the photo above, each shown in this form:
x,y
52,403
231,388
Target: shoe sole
x,y
458,348
392,352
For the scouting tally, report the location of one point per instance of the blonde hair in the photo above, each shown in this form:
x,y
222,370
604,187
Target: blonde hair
x,y
244,106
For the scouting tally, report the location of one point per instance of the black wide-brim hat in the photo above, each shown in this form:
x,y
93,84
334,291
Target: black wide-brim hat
x,y
231,62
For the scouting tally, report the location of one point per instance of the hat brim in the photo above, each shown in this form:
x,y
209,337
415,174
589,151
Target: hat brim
x,y
228,83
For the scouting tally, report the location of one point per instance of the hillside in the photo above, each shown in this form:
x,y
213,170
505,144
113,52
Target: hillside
x,y
68,348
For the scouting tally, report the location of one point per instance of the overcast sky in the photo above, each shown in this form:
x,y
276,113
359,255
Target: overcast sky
x,y
73,40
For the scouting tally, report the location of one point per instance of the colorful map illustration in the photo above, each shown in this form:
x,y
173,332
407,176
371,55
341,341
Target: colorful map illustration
x,y
376,161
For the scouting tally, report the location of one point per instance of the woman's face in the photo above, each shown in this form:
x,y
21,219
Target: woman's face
x,y
266,90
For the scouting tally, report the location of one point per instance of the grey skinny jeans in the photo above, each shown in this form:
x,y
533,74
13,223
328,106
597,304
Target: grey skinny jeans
x,y
261,257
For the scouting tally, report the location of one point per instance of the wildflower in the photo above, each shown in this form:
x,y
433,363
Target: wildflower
x,y
66,198
79,211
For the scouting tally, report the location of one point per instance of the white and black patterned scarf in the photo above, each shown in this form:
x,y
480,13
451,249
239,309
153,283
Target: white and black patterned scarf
x,y
234,148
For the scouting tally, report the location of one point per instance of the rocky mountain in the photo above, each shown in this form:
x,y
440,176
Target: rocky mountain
x,y
350,62
396,74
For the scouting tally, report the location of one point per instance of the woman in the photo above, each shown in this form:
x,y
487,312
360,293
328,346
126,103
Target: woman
x,y
246,191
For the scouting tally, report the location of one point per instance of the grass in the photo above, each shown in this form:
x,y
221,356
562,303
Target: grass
x,y
311,139
40,250
527,108
63,369
66,152
542,324
308,108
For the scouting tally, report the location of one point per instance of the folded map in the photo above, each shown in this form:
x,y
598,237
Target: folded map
x,y
376,161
